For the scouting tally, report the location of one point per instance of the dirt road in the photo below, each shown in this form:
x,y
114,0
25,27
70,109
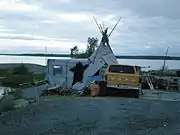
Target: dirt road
x,y
87,116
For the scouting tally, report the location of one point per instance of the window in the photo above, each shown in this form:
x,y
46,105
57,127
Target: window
x,y
121,69
57,70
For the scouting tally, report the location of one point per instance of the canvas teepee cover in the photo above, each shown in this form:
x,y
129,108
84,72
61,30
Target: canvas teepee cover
x,y
103,55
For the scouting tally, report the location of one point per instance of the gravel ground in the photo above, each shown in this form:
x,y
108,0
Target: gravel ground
x,y
94,116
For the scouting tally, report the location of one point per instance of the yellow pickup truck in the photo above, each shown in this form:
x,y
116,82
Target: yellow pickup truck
x,y
124,77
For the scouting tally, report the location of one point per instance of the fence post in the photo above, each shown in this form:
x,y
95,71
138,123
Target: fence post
x,y
37,96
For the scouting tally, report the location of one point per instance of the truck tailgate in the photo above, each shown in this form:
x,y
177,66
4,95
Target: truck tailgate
x,y
123,79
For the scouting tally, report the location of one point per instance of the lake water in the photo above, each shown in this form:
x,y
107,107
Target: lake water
x,y
155,64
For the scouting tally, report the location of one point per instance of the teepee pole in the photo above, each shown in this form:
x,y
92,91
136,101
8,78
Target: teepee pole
x,y
97,25
101,28
103,25
104,33
114,27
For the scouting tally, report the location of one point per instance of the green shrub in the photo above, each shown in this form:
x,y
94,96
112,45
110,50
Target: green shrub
x,y
4,72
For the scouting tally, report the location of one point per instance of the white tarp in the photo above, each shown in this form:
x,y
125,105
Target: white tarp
x,y
110,59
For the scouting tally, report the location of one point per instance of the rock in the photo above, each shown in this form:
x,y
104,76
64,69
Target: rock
x,y
6,103
6,90
20,103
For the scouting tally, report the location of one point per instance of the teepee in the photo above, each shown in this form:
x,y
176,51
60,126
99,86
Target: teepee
x,y
103,54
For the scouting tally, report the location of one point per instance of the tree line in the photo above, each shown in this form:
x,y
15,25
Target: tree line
x,y
92,44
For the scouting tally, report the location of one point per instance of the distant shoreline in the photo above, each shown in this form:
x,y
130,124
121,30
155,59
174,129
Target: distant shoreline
x,y
118,57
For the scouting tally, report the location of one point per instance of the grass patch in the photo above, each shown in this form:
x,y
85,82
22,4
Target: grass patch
x,y
19,75
14,81
38,77
4,72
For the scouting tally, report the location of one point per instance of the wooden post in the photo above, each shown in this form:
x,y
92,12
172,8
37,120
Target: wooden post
x,y
37,96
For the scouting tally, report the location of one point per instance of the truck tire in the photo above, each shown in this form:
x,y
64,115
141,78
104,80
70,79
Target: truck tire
x,y
136,94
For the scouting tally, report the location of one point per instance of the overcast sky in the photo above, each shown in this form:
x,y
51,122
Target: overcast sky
x,y
146,28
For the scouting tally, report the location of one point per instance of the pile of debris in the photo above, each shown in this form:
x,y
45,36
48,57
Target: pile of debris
x,y
157,83
94,88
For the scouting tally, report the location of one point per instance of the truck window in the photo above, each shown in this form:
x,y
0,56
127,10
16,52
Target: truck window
x,y
121,69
